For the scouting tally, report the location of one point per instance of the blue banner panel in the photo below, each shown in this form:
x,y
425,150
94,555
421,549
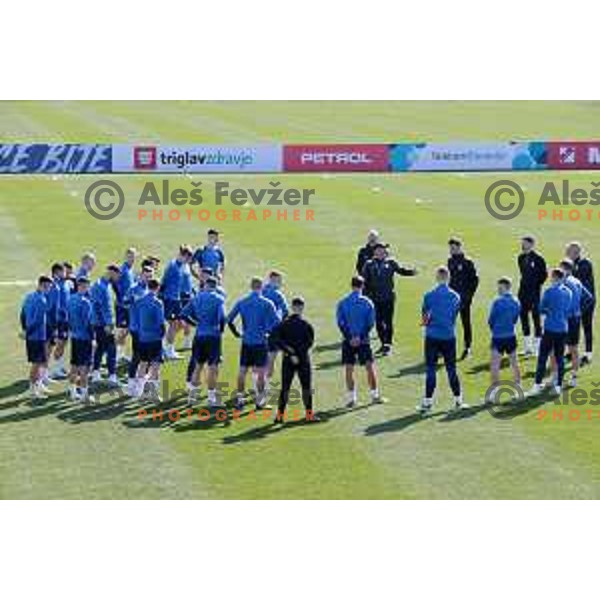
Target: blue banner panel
x,y
55,158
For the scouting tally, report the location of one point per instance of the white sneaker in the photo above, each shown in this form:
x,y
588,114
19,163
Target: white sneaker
x,y
239,402
192,396
74,394
557,390
213,401
351,401
527,346
113,381
459,403
573,381
36,392
96,377
536,346
536,389
171,354
425,406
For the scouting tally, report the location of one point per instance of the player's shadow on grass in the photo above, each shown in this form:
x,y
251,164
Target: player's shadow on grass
x,y
328,347
328,364
40,408
399,423
416,369
271,428
15,388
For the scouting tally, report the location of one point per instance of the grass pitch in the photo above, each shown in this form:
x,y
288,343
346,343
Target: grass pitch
x,y
57,450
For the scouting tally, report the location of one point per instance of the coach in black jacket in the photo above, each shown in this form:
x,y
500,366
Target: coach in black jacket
x,y
379,273
366,252
584,271
464,280
534,273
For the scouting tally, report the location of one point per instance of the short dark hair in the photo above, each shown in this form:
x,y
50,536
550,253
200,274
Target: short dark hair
x,y
298,301
454,241
153,284
357,282
147,262
153,258
275,274
528,238
114,267
557,273
212,232
68,265
44,279
507,281
185,249
566,264
57,267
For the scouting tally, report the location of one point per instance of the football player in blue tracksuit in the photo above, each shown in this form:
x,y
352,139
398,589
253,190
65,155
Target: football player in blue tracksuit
x,y
503,317
259,318
58,325
104,324
206,311
34,331
81,314
136,293
211,256
580,302
88,264
554,307
355,316
170,294
272,291
151,329
122,287
441,306
187,293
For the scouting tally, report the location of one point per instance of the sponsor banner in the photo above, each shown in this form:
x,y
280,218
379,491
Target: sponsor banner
x,y
55,158
150,158
503,156
573,155
338,157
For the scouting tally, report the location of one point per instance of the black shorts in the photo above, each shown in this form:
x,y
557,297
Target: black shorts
x,y
81,353
361,353
57,331
172,309
272,346
121,316
574,333
254,356
36,351
434,348
207,350
135,351
504,345
150,352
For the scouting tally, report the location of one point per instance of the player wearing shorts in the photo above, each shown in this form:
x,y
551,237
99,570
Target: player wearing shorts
x,y
121,289
355,317
259,317
151,329
58,325
170,293
80,315
503,317
206,312
34,331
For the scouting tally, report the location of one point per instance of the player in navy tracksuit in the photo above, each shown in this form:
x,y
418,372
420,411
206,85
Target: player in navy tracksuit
x,y
136,293
170,293
439,311
555,307
210,256
33,318
272,291
503,317
121,289
355,316
584,271
81,314
206,311
58,326
104,324
259,317
581,300
151,329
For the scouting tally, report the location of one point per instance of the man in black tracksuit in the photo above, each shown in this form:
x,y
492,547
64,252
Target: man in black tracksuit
x,y
378,274
366,252
534,273
584,271
464,280
295,337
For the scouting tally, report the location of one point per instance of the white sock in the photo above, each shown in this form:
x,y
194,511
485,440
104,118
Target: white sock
x,y
352,395
212,396
374,393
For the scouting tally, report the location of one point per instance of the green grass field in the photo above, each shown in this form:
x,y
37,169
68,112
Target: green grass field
x,y
58,450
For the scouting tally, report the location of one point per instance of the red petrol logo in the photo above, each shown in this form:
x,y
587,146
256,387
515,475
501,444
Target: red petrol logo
x,y
337,157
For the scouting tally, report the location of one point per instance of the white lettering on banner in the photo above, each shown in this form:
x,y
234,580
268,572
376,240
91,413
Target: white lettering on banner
x,y
339,158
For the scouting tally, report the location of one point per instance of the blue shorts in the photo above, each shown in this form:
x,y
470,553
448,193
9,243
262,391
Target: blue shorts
x,y
81,353
504,345
351,354
150,352
434,348
36,351
574,333
207,350
121,316
172,309
254,356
